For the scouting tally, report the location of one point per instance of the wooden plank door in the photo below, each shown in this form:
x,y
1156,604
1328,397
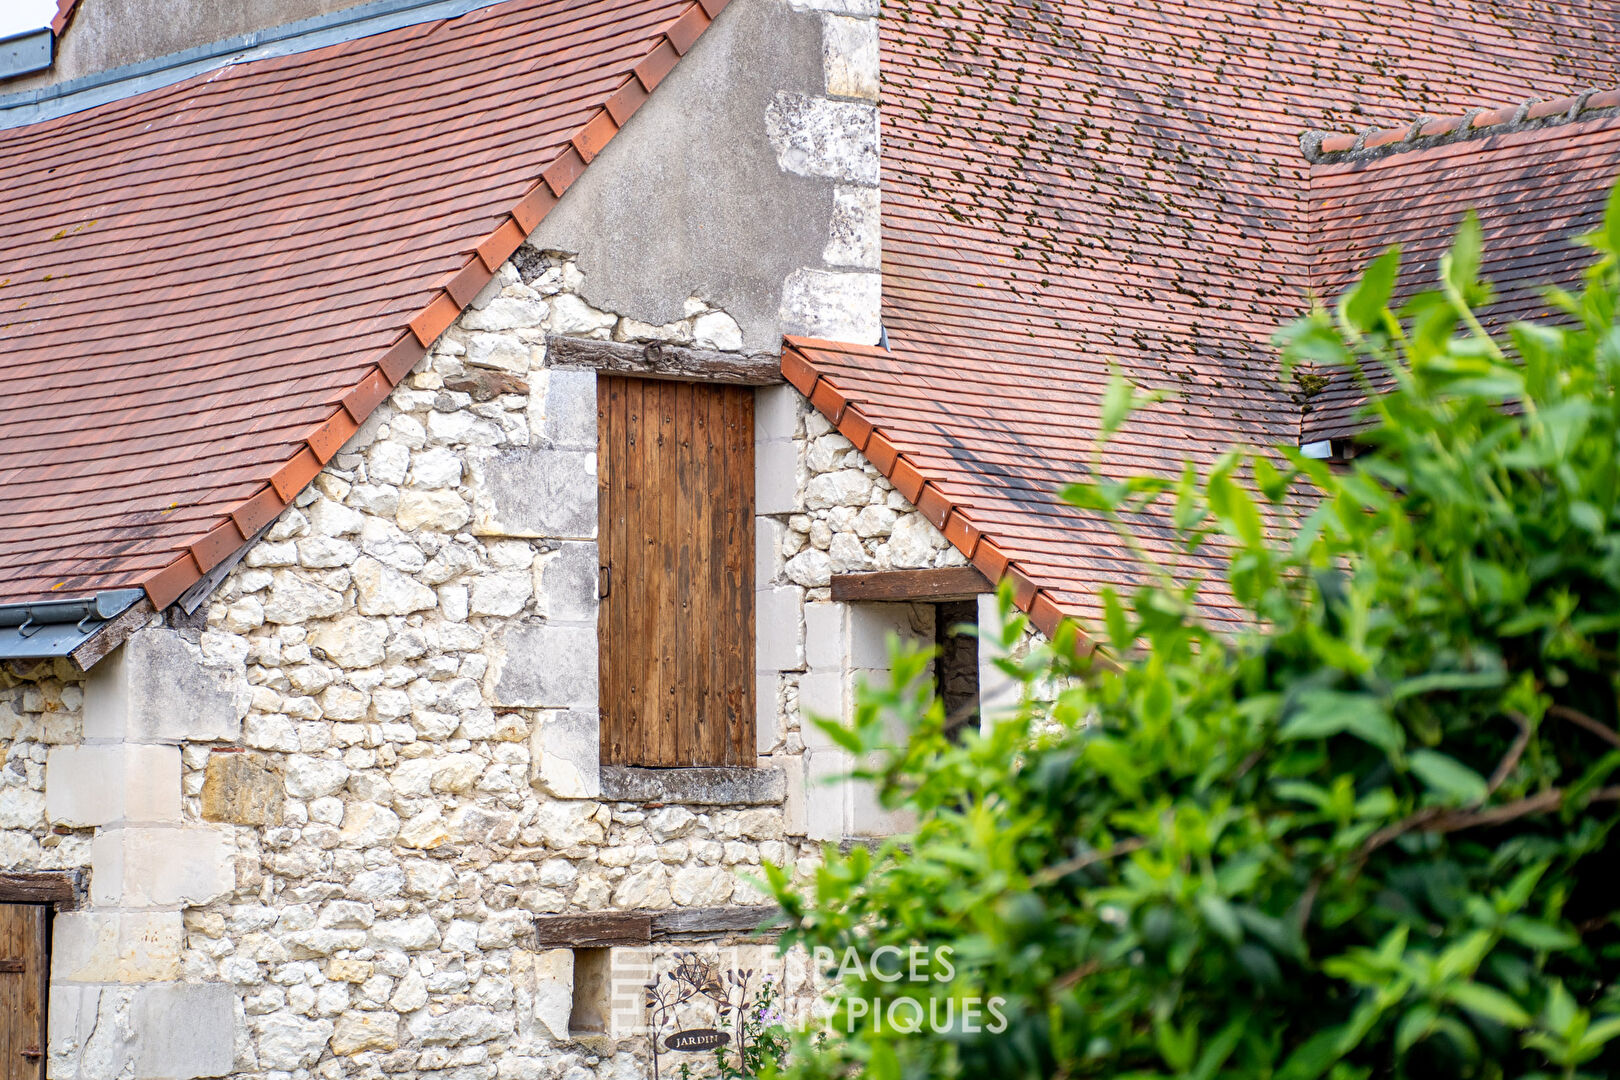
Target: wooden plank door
x,y
675,465
24,972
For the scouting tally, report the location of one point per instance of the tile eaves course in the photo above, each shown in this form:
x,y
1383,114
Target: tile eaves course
x,y
800,359
546,83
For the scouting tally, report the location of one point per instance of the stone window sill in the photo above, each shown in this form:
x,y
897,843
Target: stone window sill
x,y
711,786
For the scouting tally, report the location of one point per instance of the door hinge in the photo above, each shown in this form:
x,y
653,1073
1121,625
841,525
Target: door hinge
x,y
604,582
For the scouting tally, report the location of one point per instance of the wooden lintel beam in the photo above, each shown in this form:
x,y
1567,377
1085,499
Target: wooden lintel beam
x,y
64,888
679,363
696,922
604,929
599,930
114,634
939,584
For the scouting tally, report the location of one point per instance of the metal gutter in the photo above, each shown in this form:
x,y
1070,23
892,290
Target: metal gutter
x,y
44,629
379,16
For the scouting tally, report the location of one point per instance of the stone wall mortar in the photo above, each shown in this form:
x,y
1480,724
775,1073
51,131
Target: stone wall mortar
x,y
41,706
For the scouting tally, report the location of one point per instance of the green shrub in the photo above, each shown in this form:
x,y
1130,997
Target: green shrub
x,y
1370,836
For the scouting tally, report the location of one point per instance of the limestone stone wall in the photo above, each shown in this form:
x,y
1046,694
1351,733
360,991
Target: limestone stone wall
x,y
418,638
317,829
849,517
383,742
339,804
41,707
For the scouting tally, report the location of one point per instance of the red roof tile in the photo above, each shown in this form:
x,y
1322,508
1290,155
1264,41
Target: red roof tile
x,y
205,288
1081,184
1534,190
65,10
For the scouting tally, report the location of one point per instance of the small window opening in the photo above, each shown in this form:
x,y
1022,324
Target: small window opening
x,y
957,666
593,992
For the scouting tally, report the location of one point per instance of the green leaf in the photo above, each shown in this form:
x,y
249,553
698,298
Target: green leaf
x,y
840,734
1272,484
1449,680
1323,713
1602,1032
1583,515
1487,1001
1301,791
883,1064
1611,221
1362,307
1177,1046
1220,917
1415,1026
1314,1056
1462,265
1448,777
1218,1049
1115,619
1282,935
1119,401
1543,937
1560,1010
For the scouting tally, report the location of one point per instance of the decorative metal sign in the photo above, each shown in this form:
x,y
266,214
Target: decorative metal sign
x,y
695,985
693,1040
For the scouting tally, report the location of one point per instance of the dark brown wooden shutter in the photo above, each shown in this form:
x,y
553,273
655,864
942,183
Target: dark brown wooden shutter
x,y
676,628
24,971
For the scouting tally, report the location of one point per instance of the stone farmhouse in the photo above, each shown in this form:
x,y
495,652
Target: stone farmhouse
x,y
450,447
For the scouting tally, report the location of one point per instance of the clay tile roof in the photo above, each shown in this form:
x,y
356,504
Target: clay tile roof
x,y
1077,185
1534,188
206,288
65,10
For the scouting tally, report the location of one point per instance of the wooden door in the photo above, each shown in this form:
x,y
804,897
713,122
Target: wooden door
x,y
24,973
676,628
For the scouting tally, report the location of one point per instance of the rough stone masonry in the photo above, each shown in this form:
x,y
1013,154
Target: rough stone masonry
x,y
318,823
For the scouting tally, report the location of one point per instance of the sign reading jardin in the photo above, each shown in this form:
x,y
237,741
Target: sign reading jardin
x,y
694,1040
698,998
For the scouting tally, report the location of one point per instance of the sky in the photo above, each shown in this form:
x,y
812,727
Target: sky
x,y
19,15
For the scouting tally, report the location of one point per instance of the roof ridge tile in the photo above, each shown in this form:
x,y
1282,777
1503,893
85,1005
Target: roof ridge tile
x,y
1320,147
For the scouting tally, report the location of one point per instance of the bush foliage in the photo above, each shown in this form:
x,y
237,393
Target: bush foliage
x,y
1371,836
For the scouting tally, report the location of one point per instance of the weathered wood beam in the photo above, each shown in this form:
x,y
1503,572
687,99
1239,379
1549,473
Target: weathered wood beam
x,y
939,584
114,634
64,888
595,931
604,929
679,363
689,922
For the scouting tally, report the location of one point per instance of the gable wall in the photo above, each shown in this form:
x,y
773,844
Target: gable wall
x,y
377,754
